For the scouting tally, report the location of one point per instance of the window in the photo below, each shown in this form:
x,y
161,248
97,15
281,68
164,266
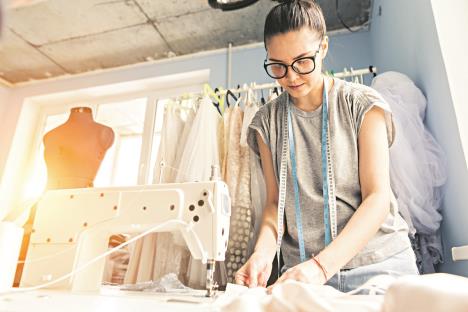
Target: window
x,y
122,164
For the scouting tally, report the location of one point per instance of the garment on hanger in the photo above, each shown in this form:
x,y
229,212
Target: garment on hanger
x,y
238,180
172,130
250,109
233,160
201,151
184,136
149,259
225,136
417,165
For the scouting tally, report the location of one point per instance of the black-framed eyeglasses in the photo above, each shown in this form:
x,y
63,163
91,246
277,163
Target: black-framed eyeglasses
x,y
303,66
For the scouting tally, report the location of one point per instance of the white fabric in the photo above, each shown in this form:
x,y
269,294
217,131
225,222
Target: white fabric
x,y
416,159
250,110
159,253
183,140
172,129
297,296
201,151
428,293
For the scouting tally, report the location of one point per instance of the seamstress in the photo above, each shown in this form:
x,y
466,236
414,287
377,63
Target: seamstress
x,y
323,136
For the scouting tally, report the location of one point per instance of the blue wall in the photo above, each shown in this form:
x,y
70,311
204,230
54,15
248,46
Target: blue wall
x,y
404,38
346,50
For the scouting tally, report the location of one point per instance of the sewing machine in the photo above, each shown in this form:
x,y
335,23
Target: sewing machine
x,y
74,225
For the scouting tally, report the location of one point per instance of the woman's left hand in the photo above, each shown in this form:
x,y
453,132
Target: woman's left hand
x,y
306,272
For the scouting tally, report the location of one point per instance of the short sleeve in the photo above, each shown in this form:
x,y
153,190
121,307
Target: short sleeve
x,y
260,124
364,101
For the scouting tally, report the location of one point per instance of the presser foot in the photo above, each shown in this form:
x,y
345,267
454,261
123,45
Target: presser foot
x,y
211,286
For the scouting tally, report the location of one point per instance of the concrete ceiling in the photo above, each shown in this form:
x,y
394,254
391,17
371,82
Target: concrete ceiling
x,y
48,38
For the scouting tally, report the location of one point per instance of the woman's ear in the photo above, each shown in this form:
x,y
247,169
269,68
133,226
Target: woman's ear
x,y
324,46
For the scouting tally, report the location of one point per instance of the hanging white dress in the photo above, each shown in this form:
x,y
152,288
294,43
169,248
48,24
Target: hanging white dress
x,y
417,163
145,252
183,138
201,152
172,130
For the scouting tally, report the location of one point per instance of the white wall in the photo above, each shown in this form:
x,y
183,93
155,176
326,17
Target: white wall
x,y
452,26
405,38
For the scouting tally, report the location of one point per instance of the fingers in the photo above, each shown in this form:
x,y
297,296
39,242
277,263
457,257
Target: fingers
x,y
241,277
250,277
285,276
262,281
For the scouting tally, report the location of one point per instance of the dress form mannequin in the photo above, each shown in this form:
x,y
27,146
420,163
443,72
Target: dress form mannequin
x,y
74,150
73,153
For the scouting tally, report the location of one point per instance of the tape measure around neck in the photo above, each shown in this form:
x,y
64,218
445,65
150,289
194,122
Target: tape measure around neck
x,y
288,147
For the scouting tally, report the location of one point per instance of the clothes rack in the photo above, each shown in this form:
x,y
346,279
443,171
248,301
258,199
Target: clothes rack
x,y
346,73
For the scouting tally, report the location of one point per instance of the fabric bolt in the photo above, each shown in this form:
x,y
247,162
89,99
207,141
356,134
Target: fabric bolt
x,y
348,104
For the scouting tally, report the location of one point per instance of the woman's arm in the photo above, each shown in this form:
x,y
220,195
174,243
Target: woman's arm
x,y
266,242
374,178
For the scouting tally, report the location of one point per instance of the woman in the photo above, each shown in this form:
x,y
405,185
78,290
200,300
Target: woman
x,y
322,138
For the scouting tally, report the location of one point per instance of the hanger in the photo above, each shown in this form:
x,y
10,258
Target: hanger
x,y
262,100
275,90
229,93
215,97
218,99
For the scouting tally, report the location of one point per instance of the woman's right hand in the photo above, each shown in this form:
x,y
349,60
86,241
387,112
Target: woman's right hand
x,y
255,272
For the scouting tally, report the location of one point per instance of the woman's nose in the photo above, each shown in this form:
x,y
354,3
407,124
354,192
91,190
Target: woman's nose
x,y
291,75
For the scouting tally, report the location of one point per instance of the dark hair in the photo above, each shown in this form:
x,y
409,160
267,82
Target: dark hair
x,y
292,15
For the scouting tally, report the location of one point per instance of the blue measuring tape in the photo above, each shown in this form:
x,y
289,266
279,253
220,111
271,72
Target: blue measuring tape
x,y
325,177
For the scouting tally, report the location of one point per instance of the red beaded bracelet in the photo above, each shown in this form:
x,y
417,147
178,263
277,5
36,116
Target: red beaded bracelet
x,y
321,267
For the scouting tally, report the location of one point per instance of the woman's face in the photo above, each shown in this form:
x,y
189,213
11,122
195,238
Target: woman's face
x,y
288,47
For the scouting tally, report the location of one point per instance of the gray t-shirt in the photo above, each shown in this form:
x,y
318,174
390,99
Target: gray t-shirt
x,y
348,103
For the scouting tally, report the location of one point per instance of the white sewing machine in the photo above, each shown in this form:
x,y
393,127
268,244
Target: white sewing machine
x,y
75,226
